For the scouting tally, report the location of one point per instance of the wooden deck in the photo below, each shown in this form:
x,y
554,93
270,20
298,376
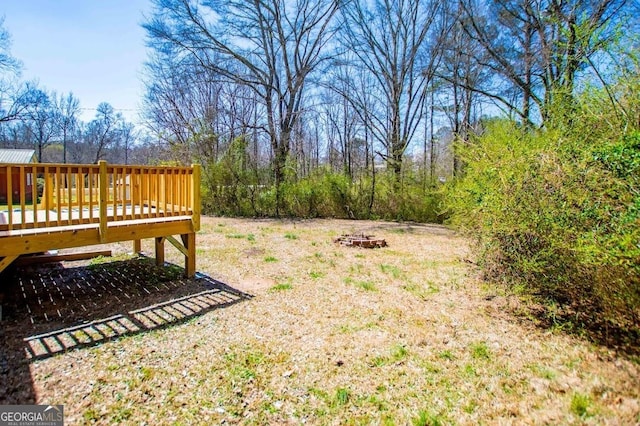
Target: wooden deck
x,y
83,205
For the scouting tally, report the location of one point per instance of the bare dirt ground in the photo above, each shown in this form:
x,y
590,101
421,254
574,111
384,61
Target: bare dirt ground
x,y
285,327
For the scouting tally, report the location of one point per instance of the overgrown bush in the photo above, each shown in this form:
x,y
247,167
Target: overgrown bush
x,y
409,201
230,190
556,211
328,194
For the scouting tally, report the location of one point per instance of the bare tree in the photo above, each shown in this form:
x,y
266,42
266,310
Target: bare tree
x,y
270,46
195,111
395,42
66,109
461,75
342,126
358,89
15,135
127,137
14,96
539,47
100,134
39,120
182,106
7,62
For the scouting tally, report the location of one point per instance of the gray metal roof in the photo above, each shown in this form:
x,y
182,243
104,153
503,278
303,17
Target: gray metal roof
x,y
17,156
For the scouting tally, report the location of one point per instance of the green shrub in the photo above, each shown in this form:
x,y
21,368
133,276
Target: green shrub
x,y
230,187
556,211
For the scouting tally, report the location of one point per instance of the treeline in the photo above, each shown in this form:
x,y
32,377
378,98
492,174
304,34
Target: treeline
x,y
49,124
332,108
356,108
33,117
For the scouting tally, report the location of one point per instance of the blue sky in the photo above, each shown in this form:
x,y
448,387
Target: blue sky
x,y
93,48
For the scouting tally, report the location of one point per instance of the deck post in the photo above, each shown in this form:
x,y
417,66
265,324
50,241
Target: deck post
x,y
160,251
195,198
189,241
137,246
102,201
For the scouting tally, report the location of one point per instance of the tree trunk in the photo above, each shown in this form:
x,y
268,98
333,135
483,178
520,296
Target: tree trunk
x,y
279,167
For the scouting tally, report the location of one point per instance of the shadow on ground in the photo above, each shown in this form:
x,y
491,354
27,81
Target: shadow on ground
x,y
571,320
52,309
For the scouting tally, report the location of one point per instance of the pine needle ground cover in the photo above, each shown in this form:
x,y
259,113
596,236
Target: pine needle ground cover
x,y
326,334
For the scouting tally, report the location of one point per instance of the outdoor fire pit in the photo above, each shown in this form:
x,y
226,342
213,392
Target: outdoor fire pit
x,y
360,240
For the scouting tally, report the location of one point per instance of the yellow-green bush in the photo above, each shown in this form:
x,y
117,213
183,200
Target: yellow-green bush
x,y
229,189
557,211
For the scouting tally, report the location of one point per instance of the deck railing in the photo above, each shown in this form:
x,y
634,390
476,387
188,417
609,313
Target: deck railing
x,y
73,194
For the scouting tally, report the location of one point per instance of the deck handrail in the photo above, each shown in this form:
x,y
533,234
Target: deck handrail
x,y
96,193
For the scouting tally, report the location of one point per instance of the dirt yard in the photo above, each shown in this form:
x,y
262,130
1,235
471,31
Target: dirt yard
x,y
282,326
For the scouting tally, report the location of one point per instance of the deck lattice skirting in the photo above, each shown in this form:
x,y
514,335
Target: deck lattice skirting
x,y
83,205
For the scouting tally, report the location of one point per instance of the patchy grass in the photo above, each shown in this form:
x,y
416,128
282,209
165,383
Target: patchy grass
x,y
366,285
421,291
581,405
403,335
282,286
342,397
397,354
317,274
480,350
106,261
427,418
392,270
236,236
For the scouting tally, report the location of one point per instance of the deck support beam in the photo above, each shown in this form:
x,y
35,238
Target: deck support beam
x,y
182,247
160,251
189,241
6,261
187,248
